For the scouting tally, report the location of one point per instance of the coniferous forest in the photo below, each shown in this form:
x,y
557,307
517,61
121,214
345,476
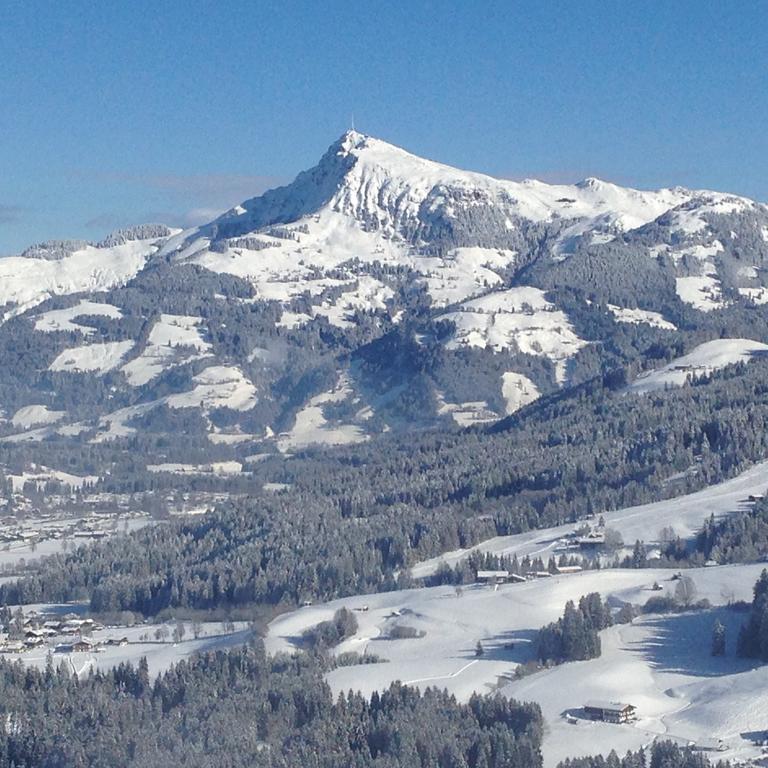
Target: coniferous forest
x,y
355,520
238,708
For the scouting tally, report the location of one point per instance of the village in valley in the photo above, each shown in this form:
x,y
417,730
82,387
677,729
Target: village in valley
x,y
39,635
40,520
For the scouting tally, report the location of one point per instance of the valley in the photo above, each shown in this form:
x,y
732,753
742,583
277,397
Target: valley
x,y
348,396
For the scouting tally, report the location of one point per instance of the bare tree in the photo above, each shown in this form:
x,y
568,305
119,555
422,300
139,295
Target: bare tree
x,y
613,540
685,591
667,536
179,631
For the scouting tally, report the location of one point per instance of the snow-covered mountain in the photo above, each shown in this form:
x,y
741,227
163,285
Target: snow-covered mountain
x,y
369,201
377,291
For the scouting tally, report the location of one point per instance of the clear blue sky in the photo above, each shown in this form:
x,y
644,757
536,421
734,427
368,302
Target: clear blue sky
x,y
114,113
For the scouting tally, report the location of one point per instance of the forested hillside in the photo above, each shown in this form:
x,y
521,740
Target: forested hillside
x,y
241,708
354,518
378,293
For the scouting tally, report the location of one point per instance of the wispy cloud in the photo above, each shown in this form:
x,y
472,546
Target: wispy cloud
x,y
10,214
188,199
226,189
219,186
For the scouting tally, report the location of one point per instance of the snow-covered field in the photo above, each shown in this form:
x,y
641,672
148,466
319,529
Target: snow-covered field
x,y
516,318
64,319
685,514
704,359
35,415
173,340
636,316
92,358
160,654
467,413
217,386
759,295
26,282
700,291
464,273
311,427
12,553
360,205
660,664
691,220
365,294
215,468
42,475
517,391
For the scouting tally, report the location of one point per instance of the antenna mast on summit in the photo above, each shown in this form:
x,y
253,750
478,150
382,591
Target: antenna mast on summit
x,y
353,121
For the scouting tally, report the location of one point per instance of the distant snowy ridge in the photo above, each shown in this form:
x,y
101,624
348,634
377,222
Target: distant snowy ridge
x,y
28,280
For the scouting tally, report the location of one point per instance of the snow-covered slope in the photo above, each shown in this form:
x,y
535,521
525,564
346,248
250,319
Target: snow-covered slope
x,y
658,663
217,387
66,319
524,284
520,318
386,188
371,201
369,206
173,340
684,514
54,269
35,416
706,358
92,358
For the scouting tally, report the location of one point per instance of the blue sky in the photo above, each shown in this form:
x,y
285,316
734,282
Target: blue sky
x,y
117,113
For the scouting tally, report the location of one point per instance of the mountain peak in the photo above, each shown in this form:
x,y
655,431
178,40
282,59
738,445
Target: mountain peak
x,y
351,139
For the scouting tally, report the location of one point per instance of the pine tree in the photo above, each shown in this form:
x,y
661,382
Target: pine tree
x,y
718,639
639,559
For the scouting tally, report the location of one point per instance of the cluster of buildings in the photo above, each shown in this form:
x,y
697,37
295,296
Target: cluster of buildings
x,y
585,537
505,577
66,634
28,529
